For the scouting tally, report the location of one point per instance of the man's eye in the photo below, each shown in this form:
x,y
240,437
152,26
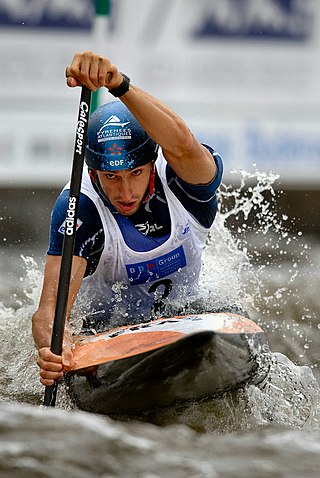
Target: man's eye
x,y
110,176
136,172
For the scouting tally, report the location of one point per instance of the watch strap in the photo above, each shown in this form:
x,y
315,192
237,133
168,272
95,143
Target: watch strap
x,y
122,88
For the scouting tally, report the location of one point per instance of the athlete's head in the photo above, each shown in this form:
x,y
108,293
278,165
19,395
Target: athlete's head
x,y
116,141
120,156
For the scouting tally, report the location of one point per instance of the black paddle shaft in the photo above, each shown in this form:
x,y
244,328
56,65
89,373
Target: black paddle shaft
x,y
70,227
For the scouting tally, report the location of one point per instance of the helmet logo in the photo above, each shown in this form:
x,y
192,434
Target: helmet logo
x,y
113,129
114,149
113,120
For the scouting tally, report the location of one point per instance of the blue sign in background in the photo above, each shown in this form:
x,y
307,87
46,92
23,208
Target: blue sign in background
x,y
282,19
77,15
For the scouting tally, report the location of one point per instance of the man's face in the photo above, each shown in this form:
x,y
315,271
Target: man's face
x,y
126,189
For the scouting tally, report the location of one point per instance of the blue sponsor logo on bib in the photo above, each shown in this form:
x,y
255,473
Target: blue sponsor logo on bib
x,y
149,271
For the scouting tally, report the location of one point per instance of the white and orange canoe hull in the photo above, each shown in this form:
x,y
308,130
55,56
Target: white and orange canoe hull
x,y
154,364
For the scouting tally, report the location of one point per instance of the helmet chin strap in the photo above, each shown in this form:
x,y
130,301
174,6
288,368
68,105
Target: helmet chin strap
x,y
151,190
96,184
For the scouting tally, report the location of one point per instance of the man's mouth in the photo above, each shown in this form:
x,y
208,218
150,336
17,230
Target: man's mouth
x,y
126,206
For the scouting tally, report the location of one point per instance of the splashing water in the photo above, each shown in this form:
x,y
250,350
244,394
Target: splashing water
x,y
18,370
236,264
260,269
265,242
288,397
231,256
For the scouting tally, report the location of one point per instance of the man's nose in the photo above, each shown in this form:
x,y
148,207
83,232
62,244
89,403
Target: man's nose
x,y
126,190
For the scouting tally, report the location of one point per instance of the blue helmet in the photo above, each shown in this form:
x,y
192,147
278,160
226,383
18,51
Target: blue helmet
x,y
116,140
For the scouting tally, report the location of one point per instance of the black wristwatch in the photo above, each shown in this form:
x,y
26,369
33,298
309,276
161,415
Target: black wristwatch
x,y
122,88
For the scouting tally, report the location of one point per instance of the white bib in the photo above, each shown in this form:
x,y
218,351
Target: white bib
x,y
126,284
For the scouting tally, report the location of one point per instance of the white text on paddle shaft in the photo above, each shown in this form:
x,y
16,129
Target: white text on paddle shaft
x,y
83,114
70,215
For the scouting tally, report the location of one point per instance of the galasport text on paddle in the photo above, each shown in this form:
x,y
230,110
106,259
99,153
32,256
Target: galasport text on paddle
x,y
69,237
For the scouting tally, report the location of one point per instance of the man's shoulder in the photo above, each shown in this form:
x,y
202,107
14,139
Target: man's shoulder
x,y
200,192
87,209
200,200
89,237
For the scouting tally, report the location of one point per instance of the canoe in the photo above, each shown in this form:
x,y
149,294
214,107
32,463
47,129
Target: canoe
x,y
155,364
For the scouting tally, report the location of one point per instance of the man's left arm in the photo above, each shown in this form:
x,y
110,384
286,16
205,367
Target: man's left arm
x,y
191,161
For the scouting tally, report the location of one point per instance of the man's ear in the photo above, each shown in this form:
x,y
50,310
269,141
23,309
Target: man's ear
x,y
93,175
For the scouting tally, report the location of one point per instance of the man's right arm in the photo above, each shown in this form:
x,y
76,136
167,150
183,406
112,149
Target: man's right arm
x,y
51,365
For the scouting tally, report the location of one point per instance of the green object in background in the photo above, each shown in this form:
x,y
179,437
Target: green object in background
x,y
95,101
102,8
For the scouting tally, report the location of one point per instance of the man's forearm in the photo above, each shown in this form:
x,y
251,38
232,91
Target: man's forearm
x,y
162,124
41,330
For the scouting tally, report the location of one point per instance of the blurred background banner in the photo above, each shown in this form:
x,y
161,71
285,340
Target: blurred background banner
x,y
47,14
244,74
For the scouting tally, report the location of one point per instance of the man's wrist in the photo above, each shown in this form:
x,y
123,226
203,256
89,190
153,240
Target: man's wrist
x,y
122,88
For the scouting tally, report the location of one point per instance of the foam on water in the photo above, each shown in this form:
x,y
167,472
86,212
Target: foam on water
x,y
235,268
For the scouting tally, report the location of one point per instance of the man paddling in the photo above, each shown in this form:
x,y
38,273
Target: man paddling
x,y
147,203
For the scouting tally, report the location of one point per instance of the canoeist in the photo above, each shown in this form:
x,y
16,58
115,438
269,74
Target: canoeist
x,y
148,200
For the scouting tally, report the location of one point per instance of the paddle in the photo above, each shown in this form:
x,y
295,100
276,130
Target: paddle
x,y
69,237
